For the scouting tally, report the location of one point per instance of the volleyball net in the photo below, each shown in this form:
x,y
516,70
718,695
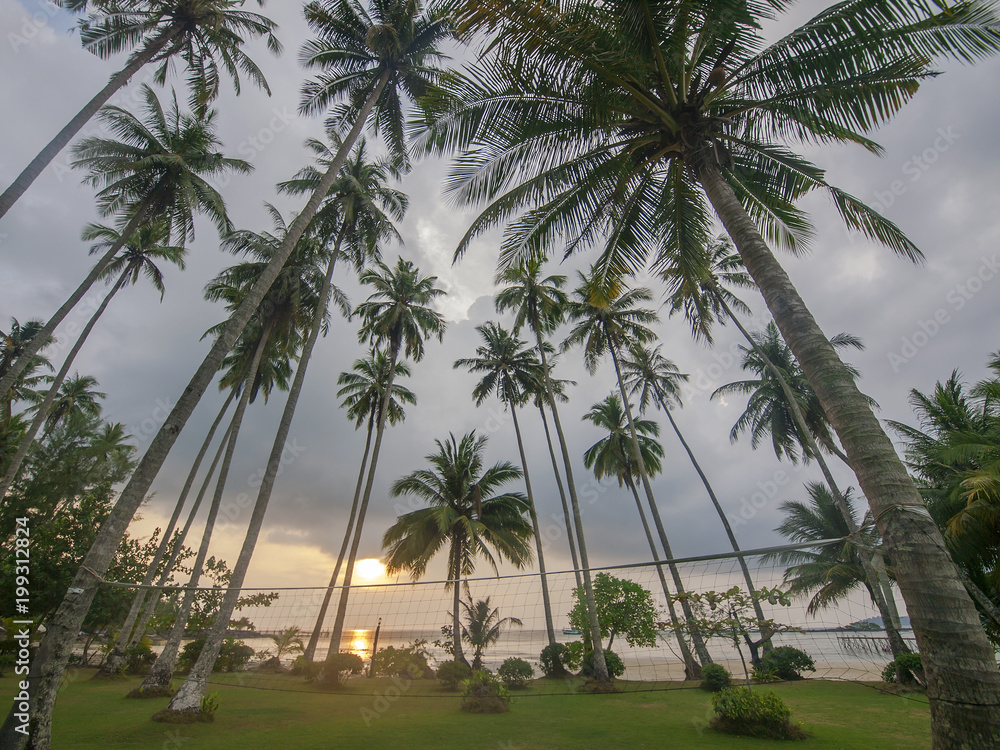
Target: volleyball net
x,y
403,624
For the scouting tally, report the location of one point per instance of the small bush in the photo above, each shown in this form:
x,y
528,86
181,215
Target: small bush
x,y
338,668
757,714
209,705
913,668
786,663
234,655
574,655
515,673
451,673
407,661
616,668
484,694
715,677
310,670
759,674
139,658
553,660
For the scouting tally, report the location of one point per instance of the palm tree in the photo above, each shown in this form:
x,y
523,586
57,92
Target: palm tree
x,y
511,372
154,170
612,456
288,641
633,119
463,515
362,391
654,378
540,303
199,32
607,320
954,455
397,316
484,626
138,257
828,572
11,346
417,34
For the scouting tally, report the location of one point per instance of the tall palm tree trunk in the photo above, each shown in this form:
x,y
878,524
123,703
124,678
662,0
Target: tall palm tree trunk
x,y
600,667
873,564
148,612
163,668
310,652
41,338
345,590
115,659
722,517
55,649
692,671
963,682
546,603
50,397
696,639
456,623
191,692
64,136
567,519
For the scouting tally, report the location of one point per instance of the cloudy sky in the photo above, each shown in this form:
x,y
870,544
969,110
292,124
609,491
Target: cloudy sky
x,y
937,180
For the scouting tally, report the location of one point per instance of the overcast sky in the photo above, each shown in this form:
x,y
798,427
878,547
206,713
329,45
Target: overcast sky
x,y
144,351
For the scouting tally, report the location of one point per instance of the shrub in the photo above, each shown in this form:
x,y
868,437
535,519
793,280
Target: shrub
x,y
484,694
338,668
553,660
139,657
757,714
616,668
451,673
407,661
515,673
715,677
759,674
913,668
234,655
310,670
209,705
786,663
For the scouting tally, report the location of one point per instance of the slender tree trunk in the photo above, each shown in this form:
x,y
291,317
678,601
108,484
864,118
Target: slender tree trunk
x,y
188,697
963,683
600,667
345,590
872,561
692,670
696,638
546,603
163,668
50,397
41,339
456,622
567,519
150,610
125,638
55,649
722,515
310,652
57,144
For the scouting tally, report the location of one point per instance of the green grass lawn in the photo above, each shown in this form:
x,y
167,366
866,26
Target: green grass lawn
x,y
834,714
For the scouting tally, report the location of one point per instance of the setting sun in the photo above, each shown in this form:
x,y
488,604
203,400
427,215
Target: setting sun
x,y
369,570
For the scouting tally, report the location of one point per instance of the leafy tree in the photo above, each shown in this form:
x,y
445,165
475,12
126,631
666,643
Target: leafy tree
x,y
624,607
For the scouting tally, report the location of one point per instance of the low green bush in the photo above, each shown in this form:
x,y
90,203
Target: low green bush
x,y
139,658
484,694
406,661
234,655
451,673
786,663
553,660
715,677
913,669
614,663
756,714
515,673
338,669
